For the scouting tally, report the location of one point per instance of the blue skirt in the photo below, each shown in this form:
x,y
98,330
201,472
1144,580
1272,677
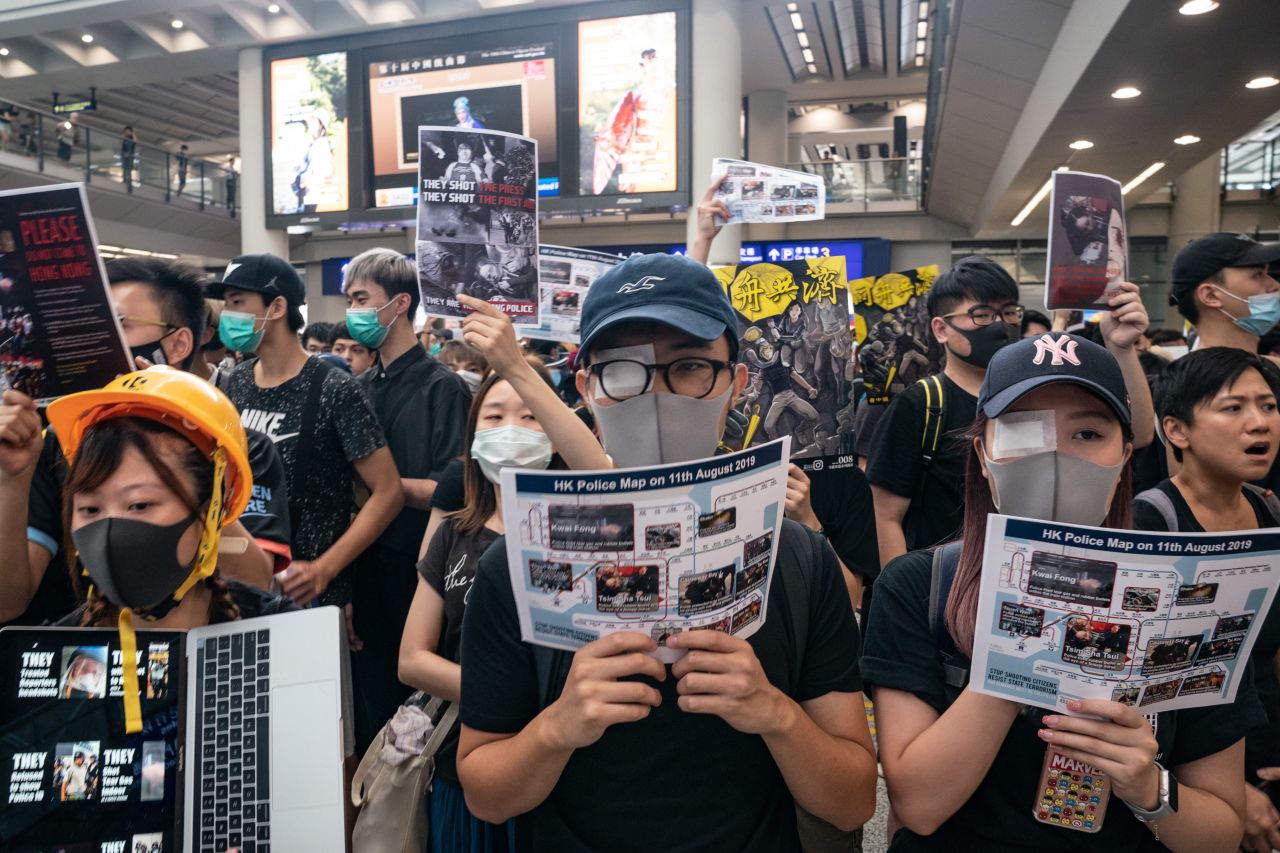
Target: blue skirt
x,y
455,830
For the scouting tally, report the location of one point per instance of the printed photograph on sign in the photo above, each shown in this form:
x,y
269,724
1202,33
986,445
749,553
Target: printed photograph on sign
x,y
84,672
895,346
1087,241
1091,644
705,591
76,771
627,589
1078,580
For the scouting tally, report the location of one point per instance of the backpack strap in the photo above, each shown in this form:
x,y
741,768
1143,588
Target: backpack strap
x,y
1163,504
935,408
955,666
305,459
1269,499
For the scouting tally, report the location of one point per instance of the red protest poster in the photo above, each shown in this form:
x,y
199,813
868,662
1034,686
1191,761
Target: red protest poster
x,y
58,331
1087,241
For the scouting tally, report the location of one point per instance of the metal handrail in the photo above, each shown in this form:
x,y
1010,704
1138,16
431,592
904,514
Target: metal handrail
x,y
102,157
883,179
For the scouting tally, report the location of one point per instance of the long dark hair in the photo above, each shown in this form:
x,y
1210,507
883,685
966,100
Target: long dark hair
x,y
962,602
99,455
481,501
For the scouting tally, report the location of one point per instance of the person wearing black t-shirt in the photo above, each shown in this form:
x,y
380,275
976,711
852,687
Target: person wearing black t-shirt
x,y
973,313
964,768
737,733
1217,410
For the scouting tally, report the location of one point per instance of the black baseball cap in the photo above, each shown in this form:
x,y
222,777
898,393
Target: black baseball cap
x,y
1207,256
267,274
669,289
1020,368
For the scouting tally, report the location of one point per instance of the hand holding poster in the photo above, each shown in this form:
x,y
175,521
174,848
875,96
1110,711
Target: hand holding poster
x,y
1160,621
794,337
564,275
757,193
1087,241
895,346
58,331
478,221
657,550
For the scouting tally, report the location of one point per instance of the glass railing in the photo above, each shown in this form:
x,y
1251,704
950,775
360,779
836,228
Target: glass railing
x,y
61,141
866,182
1251,165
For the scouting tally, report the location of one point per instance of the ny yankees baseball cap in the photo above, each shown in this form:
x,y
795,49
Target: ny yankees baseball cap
x,y
669,289
1020,368
267,274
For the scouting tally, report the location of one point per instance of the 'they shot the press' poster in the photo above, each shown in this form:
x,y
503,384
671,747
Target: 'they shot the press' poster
x,y
58,331
895,346
478,221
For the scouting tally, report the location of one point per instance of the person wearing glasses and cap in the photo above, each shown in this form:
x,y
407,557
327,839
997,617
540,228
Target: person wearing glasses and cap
x,y
737,733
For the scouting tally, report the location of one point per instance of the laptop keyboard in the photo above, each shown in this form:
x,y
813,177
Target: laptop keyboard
x,y
232,808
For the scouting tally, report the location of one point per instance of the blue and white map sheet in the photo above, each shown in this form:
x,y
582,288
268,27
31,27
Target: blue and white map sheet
x,y
657,550
1159,621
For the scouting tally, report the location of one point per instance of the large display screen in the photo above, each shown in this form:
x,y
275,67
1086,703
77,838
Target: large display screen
x,y
309,134
627,105
509,88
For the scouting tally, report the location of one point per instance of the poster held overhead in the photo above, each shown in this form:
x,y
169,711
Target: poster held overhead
x,y
564,275
1088,240
754,192
59,333
895,346
478,221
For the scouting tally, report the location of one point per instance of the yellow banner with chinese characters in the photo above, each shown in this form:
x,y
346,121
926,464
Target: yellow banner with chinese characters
x,y
760,291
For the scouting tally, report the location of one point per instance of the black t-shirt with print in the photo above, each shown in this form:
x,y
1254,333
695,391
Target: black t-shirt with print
x,y
900,653
895,461
1262,749
841,499
692,781
345,430
450,569
450,493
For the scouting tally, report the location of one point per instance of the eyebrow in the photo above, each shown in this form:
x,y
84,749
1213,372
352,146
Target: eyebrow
x,y
692,344
1080,414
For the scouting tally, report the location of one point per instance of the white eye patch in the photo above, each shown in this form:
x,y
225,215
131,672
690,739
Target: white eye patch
x,y
1025,433
629,383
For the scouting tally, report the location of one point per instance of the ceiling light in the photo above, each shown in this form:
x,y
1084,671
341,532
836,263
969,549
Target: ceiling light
x,y
4,51
1126,92
273,8
1080,145
1261,83
813,69
1142,176
922,29
920,47
803,37
919,61
924,9
1186,139
1198,7
791,7
1031,205
797,22
87,38
176,23
808,55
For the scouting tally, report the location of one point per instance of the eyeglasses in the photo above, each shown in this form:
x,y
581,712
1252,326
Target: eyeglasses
x,y
623,378
125,320
985,315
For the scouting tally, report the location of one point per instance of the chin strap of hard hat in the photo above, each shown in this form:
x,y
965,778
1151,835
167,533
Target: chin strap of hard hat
x,y
129,665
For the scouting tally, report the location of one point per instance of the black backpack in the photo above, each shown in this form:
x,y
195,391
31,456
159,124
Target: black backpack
x,y
1163,504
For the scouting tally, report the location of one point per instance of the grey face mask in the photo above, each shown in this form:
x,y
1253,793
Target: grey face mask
x,y
655,429
1053,486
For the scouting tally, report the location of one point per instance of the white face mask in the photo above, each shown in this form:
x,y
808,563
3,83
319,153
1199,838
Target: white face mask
x,y
510,447
472,379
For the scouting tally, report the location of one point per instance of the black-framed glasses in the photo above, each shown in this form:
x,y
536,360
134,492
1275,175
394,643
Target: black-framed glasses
x,y
693,376
985,315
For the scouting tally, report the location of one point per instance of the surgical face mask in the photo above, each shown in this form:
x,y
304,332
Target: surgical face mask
x,y
472,379
653,428
365,327
1036,480
134,563
1175,351
240,331
1264,312
510,447
986,341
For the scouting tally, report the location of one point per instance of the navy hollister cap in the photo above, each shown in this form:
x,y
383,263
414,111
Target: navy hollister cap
x,y
1020,368
668,289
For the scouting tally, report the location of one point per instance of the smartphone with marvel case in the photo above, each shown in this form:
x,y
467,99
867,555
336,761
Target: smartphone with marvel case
x,y
1071,793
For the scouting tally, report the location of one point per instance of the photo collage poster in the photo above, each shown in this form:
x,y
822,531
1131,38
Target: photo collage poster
x,y
895,346
796,341
754,192
564,276
478,221
1087,241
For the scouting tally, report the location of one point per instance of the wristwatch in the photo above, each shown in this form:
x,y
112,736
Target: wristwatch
x,y
1168,804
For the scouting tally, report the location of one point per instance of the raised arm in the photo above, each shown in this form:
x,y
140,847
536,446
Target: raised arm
x,y
708,209
20,445
1121,328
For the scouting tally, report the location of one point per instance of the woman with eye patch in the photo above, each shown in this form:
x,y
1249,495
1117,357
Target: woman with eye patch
x,y
1052,441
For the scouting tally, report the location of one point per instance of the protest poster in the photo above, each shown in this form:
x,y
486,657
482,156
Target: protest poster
x,y
1087,241
58,331
1160,621
794,338
477,221
658,550
564,276
754,192
895,346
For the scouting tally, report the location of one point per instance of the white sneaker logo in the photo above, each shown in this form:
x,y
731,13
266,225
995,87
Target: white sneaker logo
x,y
646,283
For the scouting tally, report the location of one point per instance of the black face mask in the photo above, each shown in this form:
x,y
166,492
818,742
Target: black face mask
x,y
135,563
986,341
152,352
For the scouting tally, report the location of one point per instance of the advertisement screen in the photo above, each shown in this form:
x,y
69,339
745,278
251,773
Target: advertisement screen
x,y
309,134
510,89
627,105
